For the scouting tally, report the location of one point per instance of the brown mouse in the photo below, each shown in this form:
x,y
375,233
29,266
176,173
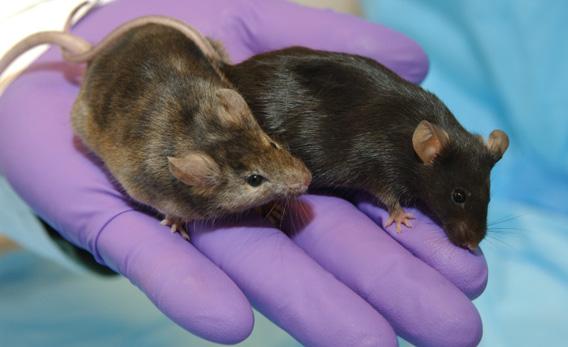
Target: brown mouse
x,y
169,127
356,124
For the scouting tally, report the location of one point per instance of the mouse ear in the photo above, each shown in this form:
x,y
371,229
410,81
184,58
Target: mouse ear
x,y
195,169
428,141
498,143
234,109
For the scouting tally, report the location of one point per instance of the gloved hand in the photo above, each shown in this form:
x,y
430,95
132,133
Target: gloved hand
x,y
341,281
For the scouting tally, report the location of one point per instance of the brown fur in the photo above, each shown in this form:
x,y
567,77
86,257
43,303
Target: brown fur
x,y
221,51
153,95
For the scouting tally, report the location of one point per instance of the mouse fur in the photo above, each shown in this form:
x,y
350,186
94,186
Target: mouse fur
x,y
357,124
173,132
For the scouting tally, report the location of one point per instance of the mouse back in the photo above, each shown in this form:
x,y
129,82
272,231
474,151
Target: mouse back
x,y
356,124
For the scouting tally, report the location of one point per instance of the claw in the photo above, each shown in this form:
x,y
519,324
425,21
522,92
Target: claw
x,y
177,225
183,232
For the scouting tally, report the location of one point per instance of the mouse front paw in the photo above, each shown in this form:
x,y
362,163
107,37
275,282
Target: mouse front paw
x,y
176,224
399,217
273,212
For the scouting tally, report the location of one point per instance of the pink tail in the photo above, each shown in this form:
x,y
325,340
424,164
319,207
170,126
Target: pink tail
x,y
66,41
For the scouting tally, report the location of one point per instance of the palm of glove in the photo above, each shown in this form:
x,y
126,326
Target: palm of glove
x,y
341,280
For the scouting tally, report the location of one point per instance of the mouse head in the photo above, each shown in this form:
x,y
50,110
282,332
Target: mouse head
x,y
454,171
237,166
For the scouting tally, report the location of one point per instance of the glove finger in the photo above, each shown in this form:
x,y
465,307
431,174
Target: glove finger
x,y
272,25
180,281
427,241
421,305
290,288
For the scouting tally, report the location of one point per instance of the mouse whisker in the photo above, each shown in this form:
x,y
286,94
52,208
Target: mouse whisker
x,y
505,230
208,223
273,206
492,239
285,206
506,219
303,213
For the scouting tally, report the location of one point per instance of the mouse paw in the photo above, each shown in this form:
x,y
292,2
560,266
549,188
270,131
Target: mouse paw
x,y
176,224
273,212
399,217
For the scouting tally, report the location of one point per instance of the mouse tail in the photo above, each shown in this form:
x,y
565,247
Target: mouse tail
x,y
202,43
68,42
88,6
78,50
71,17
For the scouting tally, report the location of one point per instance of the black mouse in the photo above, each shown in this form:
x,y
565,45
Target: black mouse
x,y
357,124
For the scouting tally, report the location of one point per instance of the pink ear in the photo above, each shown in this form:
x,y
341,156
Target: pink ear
x,y
428,141
195,169
234,109
498,143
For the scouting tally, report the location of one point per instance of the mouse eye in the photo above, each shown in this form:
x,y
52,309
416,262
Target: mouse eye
x,y
458,196
255,180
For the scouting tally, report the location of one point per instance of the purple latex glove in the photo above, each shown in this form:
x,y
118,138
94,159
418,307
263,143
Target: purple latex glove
x,y
341,281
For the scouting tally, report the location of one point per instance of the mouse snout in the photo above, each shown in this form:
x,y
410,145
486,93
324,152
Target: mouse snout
x,y
301,182
472,246
466,236
290,175
307,179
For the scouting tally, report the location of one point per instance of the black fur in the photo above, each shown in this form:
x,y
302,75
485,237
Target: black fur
x,y
351,120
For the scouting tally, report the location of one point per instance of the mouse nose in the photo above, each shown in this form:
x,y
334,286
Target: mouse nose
x,y
301,184
465,235
307,180
472,246
300,187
